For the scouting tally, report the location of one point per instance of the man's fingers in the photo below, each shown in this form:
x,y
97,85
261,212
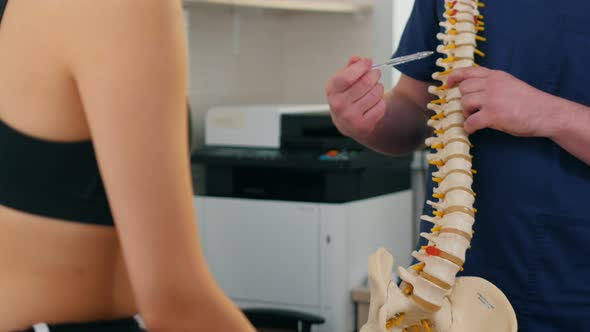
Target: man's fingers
x,y
353,60
363,86
472,103
460,74
472,85
477,121
374,115
346,77
370,99
341,101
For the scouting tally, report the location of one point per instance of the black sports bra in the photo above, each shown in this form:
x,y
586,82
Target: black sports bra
x,y
56,180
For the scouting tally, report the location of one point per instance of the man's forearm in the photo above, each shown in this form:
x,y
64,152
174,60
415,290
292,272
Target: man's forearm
x,y
403,127
569,126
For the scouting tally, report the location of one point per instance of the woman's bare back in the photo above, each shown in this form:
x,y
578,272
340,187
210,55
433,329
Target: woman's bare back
x,y
126,63
52,270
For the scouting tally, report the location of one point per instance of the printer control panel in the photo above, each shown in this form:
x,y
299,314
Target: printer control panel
x,y
338,155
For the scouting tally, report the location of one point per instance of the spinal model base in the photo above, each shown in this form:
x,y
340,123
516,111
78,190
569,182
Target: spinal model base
x,y
430,296
473,305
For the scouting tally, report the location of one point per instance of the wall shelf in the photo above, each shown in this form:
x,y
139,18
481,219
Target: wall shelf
x,y
331,6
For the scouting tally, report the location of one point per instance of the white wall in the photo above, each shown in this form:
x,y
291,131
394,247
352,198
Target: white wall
x,y
253,56
315,46
249,56
233,59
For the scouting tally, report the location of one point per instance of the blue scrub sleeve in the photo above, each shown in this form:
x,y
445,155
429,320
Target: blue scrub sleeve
x,y
420,35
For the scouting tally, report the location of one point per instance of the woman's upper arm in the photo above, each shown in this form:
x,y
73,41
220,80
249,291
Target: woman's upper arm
x,y
128,59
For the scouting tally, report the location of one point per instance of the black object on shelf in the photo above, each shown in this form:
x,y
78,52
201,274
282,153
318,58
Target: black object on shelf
x,y
279,319
314,163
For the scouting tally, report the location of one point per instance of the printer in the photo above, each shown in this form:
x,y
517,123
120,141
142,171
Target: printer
x,y
292,153
291,209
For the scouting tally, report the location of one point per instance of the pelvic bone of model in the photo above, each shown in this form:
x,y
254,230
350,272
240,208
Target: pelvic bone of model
x,y
430,297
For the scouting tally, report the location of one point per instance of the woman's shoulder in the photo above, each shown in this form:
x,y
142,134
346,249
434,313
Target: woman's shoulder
x,y
105,12
115,26
107,17
128,8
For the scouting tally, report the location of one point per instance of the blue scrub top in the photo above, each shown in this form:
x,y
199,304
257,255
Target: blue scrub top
x,y
532,229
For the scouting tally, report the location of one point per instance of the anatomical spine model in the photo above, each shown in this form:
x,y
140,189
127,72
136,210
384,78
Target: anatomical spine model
x,y
431,297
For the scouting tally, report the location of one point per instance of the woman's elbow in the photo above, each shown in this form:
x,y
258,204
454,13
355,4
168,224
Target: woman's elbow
x,y
208,311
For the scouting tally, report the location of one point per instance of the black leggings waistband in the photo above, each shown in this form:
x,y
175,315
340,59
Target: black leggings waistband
x,y
121,325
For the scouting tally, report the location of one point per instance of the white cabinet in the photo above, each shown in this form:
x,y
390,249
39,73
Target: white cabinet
x,y
301,256
342,6
259,251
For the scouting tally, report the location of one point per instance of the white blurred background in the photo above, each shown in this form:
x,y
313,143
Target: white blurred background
x,y
250,55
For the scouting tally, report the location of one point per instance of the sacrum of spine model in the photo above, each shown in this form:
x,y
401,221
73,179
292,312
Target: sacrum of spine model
x,y
431,297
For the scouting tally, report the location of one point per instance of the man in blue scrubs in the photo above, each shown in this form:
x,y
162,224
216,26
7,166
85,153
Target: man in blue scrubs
x,y
527,110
